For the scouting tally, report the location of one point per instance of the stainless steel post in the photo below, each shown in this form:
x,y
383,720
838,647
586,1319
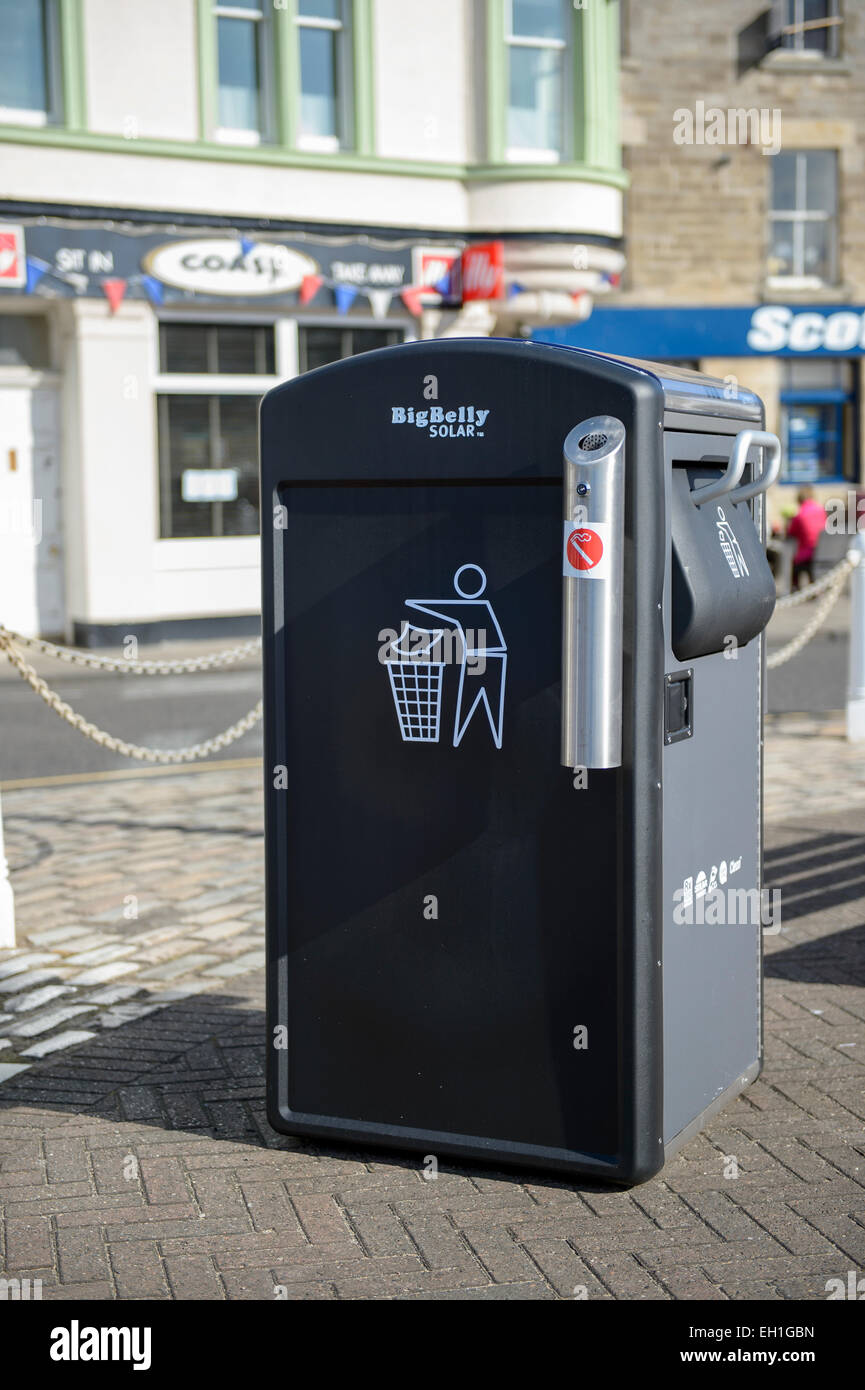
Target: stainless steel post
x,y
592,568
856,669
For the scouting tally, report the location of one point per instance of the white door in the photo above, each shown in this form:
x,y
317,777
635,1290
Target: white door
x,y
31,518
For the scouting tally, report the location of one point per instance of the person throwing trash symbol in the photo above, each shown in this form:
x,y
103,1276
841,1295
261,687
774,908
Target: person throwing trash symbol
x,y
483,649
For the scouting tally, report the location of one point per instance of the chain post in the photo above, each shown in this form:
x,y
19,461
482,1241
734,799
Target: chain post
x,y
7,898
856,669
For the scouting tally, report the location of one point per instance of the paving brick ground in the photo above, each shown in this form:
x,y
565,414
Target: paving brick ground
x,y
136,1163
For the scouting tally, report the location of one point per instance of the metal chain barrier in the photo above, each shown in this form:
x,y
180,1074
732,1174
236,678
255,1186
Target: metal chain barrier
x,y
125,667
119,745
814,590
831,585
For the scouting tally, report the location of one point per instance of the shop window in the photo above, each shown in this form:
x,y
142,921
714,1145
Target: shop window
x,y
318,346
297,73
818,421
811,28
24,341
538,37
325,66
208,426
243,65
222,347
29,62
804,218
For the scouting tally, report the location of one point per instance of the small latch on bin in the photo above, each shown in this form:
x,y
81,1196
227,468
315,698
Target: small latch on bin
x,y
678,706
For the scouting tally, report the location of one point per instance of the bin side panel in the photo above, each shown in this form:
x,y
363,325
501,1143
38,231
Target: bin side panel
x,y
712,875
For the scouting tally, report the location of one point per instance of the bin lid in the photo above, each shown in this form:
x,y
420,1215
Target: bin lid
x,y
694,393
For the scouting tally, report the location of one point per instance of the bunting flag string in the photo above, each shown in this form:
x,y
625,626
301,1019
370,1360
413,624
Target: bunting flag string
x,y
412,298
153,288
35,270
309,287
449,286
379,302
75,278
114,290
345,296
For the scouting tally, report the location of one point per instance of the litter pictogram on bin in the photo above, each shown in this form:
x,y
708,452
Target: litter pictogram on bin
x,y
415,665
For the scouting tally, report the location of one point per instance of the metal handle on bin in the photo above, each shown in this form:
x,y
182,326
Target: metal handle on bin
x,y
744,441
592,584
772,446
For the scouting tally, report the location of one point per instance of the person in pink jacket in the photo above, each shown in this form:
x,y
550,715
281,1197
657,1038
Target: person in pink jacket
x,y
806,527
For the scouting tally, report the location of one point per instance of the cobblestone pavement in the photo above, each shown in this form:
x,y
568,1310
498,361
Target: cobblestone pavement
x,y
810,768
136,1163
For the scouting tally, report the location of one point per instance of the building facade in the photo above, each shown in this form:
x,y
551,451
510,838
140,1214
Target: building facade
x,y
200,199
743,132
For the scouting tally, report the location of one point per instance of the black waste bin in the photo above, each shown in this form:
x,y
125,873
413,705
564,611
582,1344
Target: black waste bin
x,y
512,614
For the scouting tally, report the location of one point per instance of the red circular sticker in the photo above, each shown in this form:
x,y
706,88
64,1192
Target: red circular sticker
x,y
585,548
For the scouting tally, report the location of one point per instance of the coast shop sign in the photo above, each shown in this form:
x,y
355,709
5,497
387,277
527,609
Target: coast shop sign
x,y
64,259
220,266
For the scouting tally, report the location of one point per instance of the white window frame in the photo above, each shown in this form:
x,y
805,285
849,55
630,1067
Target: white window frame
x,y
517,155
185,553
799,216
188,548
17,115
330,144
260,17
388,325
797,27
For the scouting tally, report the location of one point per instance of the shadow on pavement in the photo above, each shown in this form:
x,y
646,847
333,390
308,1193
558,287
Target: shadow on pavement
x,y
837,959
195,1067
208,1088
817,872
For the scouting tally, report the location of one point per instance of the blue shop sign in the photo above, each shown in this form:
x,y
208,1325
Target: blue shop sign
x,y
769,330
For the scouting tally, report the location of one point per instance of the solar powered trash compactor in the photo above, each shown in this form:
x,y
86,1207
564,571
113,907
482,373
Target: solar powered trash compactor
x,y
513,605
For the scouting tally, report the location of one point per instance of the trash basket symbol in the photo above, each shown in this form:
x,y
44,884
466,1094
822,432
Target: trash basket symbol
x,y
415,668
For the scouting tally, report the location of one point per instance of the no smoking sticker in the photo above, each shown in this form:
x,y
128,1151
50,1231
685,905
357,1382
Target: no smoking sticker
x,y
585,548
585,551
